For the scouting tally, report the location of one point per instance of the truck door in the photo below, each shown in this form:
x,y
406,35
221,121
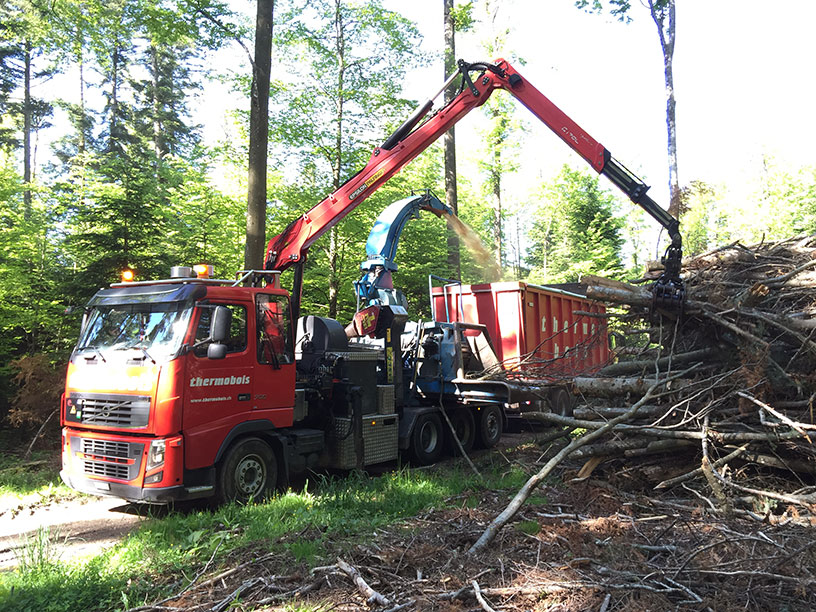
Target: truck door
x,y
274,383
219,391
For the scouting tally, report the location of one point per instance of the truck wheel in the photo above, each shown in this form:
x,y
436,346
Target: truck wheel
x,y
427,439
465,427
562,402
249,471
490,426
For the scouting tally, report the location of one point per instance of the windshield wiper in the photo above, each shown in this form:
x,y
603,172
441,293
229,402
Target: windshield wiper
x,y
138,347
146,354
96,350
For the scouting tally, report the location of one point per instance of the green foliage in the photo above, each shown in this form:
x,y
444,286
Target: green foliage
x,y
786,201
328,117
802,200
204,224
780,203
704,224
132,186
619,9
31,315
638,229
356,54
308,551
575,231
299,607
162,100
24,37
499,161
462,16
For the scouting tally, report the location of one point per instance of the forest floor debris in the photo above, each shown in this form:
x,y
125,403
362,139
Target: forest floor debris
x,y
576,545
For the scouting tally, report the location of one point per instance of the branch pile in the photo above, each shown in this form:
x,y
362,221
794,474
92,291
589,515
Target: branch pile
x,y
745,411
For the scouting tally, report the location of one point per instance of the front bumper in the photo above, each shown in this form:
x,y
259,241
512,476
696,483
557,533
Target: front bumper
x,y
149,495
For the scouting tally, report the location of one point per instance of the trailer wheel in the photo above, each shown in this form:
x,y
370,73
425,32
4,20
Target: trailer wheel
x,y
465,427
490,426
562,402
249,471
427,439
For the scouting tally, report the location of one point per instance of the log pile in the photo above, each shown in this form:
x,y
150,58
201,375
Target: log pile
x,y
738,412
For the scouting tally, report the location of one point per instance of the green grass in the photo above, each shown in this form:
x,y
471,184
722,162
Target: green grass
x,y
38,552
528,527
299,607
31,483
306,551
20,477
538,500
36,477
166,549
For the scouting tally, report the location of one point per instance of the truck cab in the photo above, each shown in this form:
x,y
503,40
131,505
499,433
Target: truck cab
x,y
156,394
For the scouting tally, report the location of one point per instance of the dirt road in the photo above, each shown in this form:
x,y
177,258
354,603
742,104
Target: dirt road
x,y
79,527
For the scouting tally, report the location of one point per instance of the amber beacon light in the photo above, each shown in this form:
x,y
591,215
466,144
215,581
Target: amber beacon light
x,y
203,270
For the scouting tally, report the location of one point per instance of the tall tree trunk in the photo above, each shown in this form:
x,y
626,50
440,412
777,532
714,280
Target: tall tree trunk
x,y
113,132
663,14
259,137
82,142
27,133
158,143
449,142
334,238
497,202
518,246
334,285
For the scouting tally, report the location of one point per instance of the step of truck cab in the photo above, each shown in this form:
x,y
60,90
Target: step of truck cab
x,y
305,441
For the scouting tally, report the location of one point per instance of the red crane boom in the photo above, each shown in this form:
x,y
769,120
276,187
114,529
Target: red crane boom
x,y
290,247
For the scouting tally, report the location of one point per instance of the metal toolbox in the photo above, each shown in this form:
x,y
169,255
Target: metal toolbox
x,y
379,441
385,399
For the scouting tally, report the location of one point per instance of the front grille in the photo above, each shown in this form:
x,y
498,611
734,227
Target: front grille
x,y
108,470
107,458
105,449
131,411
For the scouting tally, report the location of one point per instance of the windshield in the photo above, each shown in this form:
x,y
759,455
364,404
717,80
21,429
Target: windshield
x,y
154,332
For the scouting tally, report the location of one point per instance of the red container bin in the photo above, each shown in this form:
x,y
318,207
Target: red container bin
x,y
534,329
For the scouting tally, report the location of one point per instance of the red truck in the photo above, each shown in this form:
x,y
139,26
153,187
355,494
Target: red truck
x,y
194,387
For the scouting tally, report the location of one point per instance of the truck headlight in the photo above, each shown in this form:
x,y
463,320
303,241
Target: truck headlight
x,y
155,456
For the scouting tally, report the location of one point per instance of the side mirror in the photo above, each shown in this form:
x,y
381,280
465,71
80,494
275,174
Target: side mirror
x,y
220,324
216,351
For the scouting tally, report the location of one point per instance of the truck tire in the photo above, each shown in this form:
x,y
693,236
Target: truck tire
x,y
491,426
249,471
465,427
427,439
562,402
